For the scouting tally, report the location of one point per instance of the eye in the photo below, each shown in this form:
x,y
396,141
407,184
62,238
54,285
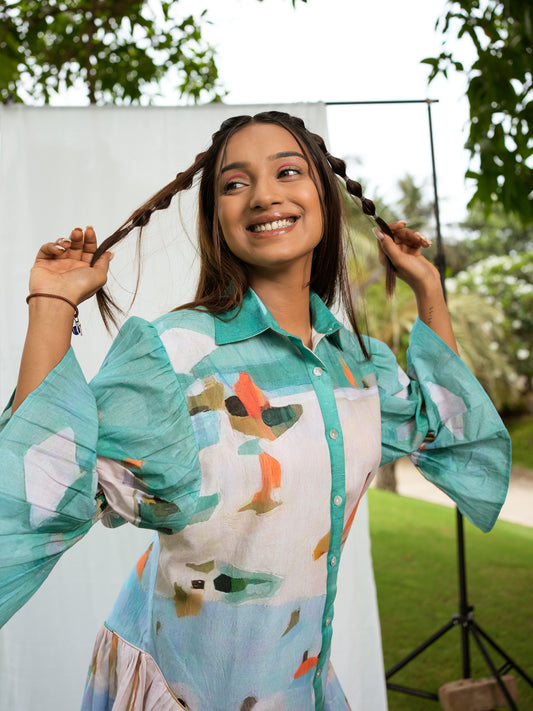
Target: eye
x,y
234,182
232,185
289,171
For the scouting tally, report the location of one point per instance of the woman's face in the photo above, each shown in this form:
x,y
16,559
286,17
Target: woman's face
x,y
268,205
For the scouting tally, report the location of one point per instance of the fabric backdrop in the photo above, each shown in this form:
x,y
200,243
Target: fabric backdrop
x,y
67,167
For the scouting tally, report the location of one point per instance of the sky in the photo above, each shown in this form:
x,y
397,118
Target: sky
x,y
347,50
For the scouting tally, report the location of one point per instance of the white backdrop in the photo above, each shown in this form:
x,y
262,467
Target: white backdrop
x,y
67,167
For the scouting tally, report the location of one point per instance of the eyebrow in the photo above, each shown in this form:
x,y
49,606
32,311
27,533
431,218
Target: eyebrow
x,y
243,164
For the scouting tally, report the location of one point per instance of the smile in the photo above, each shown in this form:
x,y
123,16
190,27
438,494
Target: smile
x,y
276,225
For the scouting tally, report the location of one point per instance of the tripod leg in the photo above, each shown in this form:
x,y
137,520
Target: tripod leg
x,y
420,648
507,658
490,663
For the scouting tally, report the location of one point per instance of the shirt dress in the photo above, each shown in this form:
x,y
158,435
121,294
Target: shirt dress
x,y
247,453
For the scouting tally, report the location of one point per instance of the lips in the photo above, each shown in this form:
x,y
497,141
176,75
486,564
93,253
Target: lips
x,y
277,224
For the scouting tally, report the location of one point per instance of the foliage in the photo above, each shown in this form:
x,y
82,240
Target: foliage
x,y
507,283
481,330
500,96
480,319
119,49
498,234
521,431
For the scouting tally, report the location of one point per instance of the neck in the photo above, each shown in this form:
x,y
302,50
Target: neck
x,y
288,302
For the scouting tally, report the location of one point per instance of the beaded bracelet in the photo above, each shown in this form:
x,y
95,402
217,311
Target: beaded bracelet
x,y
76,328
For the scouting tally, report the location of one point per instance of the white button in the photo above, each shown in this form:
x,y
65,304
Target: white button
x,y
333,434
333,561
317,370
318,673
337,500
328,620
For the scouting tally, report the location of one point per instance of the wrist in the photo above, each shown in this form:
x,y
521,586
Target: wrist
x,y
49,308
429,288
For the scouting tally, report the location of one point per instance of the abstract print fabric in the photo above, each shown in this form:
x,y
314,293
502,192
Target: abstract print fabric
x,y
247,453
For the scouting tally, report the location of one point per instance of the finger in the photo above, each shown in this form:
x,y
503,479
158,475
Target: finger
x,y
407,236
398,225
89,244
76,243
54,250
425,242
102,263
387,246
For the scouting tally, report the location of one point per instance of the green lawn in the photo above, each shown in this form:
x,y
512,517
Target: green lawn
x,y
521,431
414,552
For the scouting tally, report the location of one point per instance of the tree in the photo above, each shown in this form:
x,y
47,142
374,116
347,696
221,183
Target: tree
x,y
506,283
500,96
119,49
478,312
496,235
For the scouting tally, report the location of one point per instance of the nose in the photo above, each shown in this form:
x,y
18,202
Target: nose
x,y
265,193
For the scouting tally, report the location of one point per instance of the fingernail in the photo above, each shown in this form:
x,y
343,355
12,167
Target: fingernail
x,y
426,242
404,222
379,234
111,255
63,249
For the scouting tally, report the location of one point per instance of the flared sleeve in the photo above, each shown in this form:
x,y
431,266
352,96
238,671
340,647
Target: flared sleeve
x,y
47,480
147,461
441,417
120,448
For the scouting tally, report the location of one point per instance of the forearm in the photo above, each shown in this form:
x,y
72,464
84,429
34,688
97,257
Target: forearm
x,y
47,341
432,310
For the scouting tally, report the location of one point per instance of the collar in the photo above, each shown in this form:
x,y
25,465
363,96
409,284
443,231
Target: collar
x,y
254,318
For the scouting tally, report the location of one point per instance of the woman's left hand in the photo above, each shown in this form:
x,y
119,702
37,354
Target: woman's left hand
x,y
404,253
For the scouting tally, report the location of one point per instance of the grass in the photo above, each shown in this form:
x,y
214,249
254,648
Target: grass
x,y
521,431
415,563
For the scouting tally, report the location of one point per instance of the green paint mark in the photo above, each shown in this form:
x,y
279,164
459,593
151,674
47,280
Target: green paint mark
x,y
202,567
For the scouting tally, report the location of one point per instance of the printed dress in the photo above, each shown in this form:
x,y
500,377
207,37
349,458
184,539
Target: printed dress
x,y
247,453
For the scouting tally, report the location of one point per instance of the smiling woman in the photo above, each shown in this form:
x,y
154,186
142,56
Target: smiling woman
x,y
243,428
270,214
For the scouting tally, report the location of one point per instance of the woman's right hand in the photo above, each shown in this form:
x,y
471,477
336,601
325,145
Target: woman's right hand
x,y
64,267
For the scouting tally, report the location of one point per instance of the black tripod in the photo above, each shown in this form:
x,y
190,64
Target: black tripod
x,y
465,619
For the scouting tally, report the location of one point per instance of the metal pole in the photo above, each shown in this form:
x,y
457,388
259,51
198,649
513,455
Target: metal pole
x,y
464,609
440,260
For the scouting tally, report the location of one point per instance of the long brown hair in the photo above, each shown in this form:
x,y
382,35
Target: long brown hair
x,y
223,279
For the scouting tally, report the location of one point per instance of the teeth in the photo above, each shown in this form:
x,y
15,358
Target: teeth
x,y
277,225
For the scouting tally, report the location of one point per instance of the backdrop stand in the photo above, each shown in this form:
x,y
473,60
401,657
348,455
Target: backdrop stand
x,y
465,617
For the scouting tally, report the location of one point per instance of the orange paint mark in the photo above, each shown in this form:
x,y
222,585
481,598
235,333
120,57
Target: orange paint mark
x,y
141,563
348,373
351,517
251,396
306,666
322,546
271,477
113,654
137,463
262,501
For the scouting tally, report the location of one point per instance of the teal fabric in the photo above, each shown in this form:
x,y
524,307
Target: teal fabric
x,y
209,431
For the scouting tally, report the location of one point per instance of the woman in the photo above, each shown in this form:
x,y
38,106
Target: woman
x,y
243,428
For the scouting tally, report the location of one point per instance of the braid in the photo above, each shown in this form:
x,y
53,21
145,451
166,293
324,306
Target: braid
x,y
364,204
223,278
139,219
